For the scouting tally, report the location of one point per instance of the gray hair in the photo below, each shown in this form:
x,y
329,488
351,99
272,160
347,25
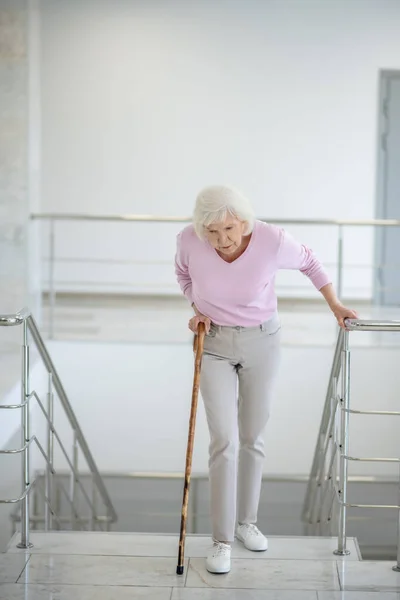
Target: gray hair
x,y
215,202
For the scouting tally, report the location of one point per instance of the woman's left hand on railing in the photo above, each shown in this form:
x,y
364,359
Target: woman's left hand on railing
x,y
342,313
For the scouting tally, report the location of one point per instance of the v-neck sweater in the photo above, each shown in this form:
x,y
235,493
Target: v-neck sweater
x,y
242,292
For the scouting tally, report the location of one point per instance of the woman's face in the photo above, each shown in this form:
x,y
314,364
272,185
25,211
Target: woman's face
x,y
227,236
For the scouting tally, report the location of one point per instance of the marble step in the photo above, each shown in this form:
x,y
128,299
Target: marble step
x,y
142,544
122,566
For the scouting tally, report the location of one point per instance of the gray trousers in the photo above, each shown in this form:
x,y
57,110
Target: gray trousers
x,y
237,382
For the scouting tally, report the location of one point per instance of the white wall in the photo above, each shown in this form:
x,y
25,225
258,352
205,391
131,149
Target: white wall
x,y
133,404
145,102
34,270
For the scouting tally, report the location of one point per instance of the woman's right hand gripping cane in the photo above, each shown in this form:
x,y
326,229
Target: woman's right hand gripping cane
x,y
199,318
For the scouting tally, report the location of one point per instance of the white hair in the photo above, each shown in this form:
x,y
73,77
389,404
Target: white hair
x,y
215,202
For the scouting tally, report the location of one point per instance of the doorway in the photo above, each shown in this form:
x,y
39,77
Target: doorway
x,y
387,239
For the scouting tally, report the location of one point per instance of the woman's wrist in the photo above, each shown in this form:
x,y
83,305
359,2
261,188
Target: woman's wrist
x,y
329,294
334,304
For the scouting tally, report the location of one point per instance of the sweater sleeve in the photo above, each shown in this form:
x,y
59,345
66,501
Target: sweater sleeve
x,y
182,268
293,255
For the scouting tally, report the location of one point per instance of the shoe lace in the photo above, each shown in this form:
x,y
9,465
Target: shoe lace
x,y
220,549
251,528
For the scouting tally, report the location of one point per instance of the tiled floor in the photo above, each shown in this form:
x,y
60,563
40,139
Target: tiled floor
x,y
98,566
11,567
130,544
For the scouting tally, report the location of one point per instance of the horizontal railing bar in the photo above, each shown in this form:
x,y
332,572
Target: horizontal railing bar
x,y
16,500
117,218
150,284
40,519
378,460
127,261
33,439
85,520
368,459
37,518
14,406
204,476
147,284
16,319
187,219
383,413
18,450
359,325
115,261
351,505
379,506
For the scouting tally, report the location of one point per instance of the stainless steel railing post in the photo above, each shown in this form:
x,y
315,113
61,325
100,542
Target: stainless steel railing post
x,y
340,263
397,566
94,505
73,494
65,403
48,517
344,447
25,436
52,295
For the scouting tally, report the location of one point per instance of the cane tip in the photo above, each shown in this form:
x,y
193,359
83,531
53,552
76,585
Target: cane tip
x,y
179,570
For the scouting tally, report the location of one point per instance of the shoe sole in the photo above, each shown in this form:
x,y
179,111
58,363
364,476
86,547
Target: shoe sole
x,y
217,572
250,549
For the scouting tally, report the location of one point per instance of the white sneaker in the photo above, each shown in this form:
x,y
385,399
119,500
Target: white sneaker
x,y
252,538
218,560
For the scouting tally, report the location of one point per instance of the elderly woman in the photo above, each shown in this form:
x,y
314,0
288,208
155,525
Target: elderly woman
x,y
226,263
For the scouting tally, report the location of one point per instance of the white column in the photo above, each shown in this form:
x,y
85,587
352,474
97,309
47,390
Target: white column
x,y
14,206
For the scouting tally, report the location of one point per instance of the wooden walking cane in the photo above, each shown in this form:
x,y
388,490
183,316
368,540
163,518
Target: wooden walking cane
x,y
198,348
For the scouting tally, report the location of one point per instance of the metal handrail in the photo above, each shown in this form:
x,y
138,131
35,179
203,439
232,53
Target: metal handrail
x,y
71,415
16,319
326,427
204,476
331,446
26,319
52,218
340,224
359,325
187,219
24,495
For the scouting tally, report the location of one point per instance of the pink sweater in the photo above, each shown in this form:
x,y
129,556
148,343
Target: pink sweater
x,y
241,293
